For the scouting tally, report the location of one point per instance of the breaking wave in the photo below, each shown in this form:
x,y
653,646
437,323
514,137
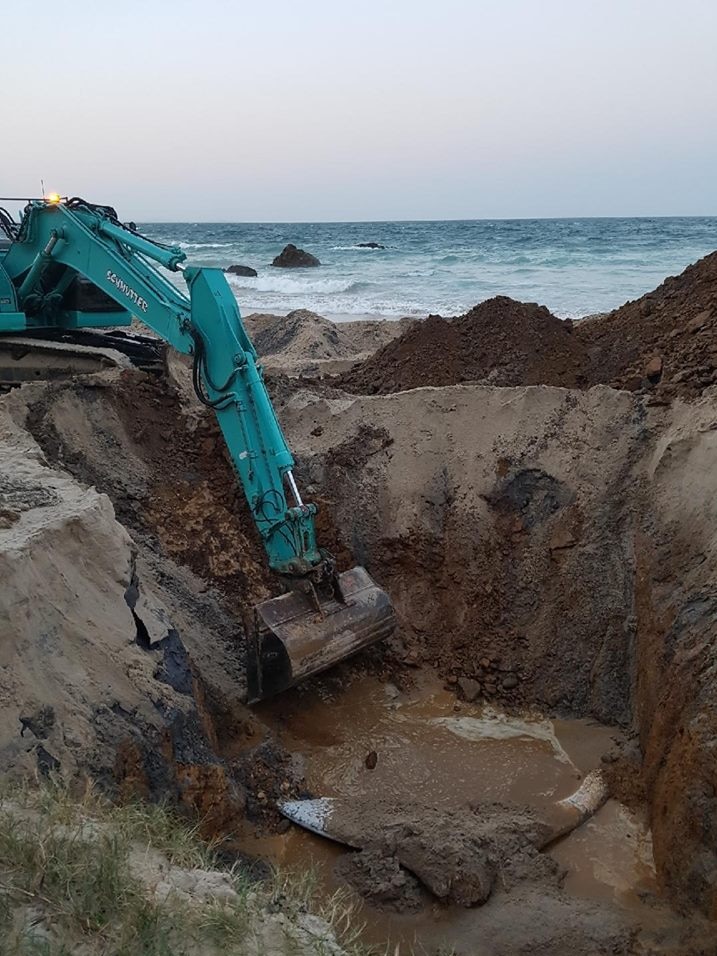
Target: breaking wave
x,y
295,285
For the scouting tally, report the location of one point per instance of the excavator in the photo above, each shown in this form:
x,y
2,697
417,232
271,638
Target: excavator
x,y
70,266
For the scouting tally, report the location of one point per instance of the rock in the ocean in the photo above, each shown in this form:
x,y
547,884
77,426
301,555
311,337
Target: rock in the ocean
x,y
369,245
242,271
293,258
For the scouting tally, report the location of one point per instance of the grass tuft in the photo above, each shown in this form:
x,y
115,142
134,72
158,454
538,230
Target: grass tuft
x,y
67,886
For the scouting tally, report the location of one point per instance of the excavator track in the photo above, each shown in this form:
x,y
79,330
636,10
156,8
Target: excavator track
x,y
52,354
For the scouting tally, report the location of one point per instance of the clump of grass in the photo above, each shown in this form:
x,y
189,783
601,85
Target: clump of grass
x,y
161,828
67,886
71,873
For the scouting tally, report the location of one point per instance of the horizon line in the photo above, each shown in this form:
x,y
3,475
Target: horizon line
x,y
346,222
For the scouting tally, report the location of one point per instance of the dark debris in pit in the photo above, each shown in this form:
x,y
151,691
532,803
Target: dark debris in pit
x,y
378,878
532,494
268,774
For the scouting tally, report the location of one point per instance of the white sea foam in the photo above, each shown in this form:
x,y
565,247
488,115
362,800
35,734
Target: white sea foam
x,y
292,285
195,246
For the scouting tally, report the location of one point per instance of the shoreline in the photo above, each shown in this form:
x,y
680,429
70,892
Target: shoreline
x,y
340,318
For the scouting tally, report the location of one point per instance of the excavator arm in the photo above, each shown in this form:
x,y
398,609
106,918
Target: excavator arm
x,y
206,324
324,616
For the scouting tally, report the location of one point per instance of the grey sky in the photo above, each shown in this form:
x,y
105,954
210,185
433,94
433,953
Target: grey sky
x,y
325,109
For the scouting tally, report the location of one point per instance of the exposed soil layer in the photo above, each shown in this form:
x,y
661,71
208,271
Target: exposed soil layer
x,y
163,689
497,522
663,342
167,478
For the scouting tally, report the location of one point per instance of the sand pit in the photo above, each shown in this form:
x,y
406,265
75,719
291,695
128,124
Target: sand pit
x,y
547,549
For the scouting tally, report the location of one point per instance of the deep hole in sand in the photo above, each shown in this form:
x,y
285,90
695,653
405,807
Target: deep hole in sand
x,y
482,545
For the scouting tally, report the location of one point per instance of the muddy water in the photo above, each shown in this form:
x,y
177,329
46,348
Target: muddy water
x,y
433,751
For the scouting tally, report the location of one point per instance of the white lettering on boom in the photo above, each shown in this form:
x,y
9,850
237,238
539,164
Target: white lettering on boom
x,y
127,290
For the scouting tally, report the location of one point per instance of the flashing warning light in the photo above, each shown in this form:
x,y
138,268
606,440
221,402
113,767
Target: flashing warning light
x,y
53,198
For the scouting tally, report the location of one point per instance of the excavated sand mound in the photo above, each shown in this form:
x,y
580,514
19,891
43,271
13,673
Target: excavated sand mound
x,y
666,339
304,342
500,341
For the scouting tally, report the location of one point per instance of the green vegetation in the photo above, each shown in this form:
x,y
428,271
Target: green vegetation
x,y
81,877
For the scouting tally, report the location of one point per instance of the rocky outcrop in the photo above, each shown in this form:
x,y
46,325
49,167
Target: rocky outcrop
x,y
242,271
369,245
292,258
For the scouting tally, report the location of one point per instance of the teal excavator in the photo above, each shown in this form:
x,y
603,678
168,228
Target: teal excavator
x,y
70,265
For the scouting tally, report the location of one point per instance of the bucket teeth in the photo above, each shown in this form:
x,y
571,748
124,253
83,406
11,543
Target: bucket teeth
x,y
294,639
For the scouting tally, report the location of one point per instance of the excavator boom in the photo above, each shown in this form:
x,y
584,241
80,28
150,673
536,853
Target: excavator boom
x,y
324,616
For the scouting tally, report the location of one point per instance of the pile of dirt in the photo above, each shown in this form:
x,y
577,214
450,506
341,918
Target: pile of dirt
x,y
304,342
500,341
299,335
663,342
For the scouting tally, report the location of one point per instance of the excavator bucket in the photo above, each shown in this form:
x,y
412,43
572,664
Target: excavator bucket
x,y
296,636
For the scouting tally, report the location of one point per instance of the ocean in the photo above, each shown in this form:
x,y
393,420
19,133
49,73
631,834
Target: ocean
x,y
575,267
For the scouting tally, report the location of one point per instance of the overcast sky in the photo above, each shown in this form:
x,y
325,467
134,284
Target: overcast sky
x,y
378,109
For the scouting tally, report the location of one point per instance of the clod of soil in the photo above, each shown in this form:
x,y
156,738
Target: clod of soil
x,y
377,876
